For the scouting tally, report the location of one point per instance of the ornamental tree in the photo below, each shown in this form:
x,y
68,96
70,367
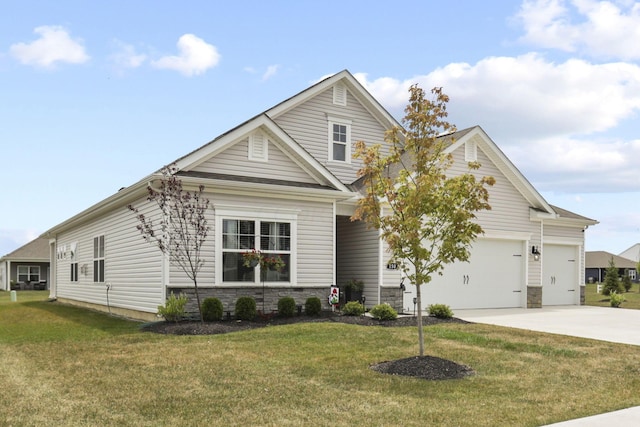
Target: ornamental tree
x,y
425,216
182,229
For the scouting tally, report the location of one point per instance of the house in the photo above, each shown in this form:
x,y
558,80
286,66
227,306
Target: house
x,y
283,182
633,253
597,262
27,267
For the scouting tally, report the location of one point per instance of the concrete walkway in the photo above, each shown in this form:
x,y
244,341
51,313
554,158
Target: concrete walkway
x,y
605,324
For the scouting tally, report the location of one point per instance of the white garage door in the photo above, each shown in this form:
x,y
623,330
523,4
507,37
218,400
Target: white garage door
x,y
493,278
560,275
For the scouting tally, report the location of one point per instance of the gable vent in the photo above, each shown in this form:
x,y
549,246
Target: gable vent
x,y
258,148
340,95
470,151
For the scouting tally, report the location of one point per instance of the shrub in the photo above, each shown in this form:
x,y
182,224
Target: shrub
x,y
353,308
441,311
616,299
212,309
612,280
626,281
384,312
313,306
286,307
246,308
173,308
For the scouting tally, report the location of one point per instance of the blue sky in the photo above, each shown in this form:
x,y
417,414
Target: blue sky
x,y
96,95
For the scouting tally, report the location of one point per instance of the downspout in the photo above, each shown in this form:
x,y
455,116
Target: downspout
x,y
53,269
541,249
334,247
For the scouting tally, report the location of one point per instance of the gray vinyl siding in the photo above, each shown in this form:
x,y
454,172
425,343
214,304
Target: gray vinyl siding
x,y
357,256
509,209
308,125
133,267
235,161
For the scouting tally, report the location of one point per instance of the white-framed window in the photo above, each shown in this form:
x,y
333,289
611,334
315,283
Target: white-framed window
x,y
28,273
98,259
339,140
268,230
632,274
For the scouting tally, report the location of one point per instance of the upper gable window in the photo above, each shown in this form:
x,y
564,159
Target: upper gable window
x,y
470,151
340,95
258,147
339,140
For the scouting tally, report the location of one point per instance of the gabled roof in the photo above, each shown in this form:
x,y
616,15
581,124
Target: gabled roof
x,y
600,259
36,250
354,87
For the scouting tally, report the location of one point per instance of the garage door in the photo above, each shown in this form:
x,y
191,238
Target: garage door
x,y
560,275
493,278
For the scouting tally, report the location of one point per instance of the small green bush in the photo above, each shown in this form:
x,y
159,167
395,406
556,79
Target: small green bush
x,y
286,307
212,309
313,306
246,308
384,312
616,299
441,311
353,308
173,308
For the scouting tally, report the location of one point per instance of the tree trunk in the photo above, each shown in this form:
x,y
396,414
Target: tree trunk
x,y
195,285
420,331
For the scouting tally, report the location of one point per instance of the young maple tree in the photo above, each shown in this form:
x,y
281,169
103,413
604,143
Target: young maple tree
x,y
425,215
182,229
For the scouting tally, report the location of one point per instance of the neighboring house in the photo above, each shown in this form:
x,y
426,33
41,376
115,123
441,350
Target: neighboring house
x,y
27,267
285,182
597,262
633,253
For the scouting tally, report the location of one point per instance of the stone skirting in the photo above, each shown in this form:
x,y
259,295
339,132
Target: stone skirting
x,y
582,295
393,297
270,297
534,296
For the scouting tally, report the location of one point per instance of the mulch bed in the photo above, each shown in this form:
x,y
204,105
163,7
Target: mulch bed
x,y
424,367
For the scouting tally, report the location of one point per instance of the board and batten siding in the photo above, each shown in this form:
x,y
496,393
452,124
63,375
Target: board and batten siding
x,y
314,238
357,255
235,161
308,125
133,267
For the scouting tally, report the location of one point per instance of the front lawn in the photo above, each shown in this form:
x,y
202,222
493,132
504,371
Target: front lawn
x,y
66,366
592,297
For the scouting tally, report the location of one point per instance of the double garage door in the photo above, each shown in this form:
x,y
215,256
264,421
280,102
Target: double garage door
x,y
494,277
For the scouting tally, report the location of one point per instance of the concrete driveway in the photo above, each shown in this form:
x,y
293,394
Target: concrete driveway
x,y
600,323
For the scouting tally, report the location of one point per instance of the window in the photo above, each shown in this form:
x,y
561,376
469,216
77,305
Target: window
x,y
339,140
28,273
632,274
270,237
98,259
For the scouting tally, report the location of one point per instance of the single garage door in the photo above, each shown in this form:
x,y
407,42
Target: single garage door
x,y
560,275
493,278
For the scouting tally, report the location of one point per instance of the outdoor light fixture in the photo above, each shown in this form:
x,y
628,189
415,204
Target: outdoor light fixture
x,y
535,252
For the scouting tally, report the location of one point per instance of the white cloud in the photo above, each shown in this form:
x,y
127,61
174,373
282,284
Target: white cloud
x,y
548,117
54,45
609,29
196,56
125,55
271,71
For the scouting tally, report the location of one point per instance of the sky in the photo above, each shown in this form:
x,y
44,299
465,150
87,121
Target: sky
x,y
94,96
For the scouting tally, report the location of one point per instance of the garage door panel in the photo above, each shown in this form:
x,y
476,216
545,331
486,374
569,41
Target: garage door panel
x,y
492,278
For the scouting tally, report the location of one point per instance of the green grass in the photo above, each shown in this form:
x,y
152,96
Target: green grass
x,y
66,366
632,298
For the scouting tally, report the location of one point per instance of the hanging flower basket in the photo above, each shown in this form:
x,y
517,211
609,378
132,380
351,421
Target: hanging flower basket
x,y
269,262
